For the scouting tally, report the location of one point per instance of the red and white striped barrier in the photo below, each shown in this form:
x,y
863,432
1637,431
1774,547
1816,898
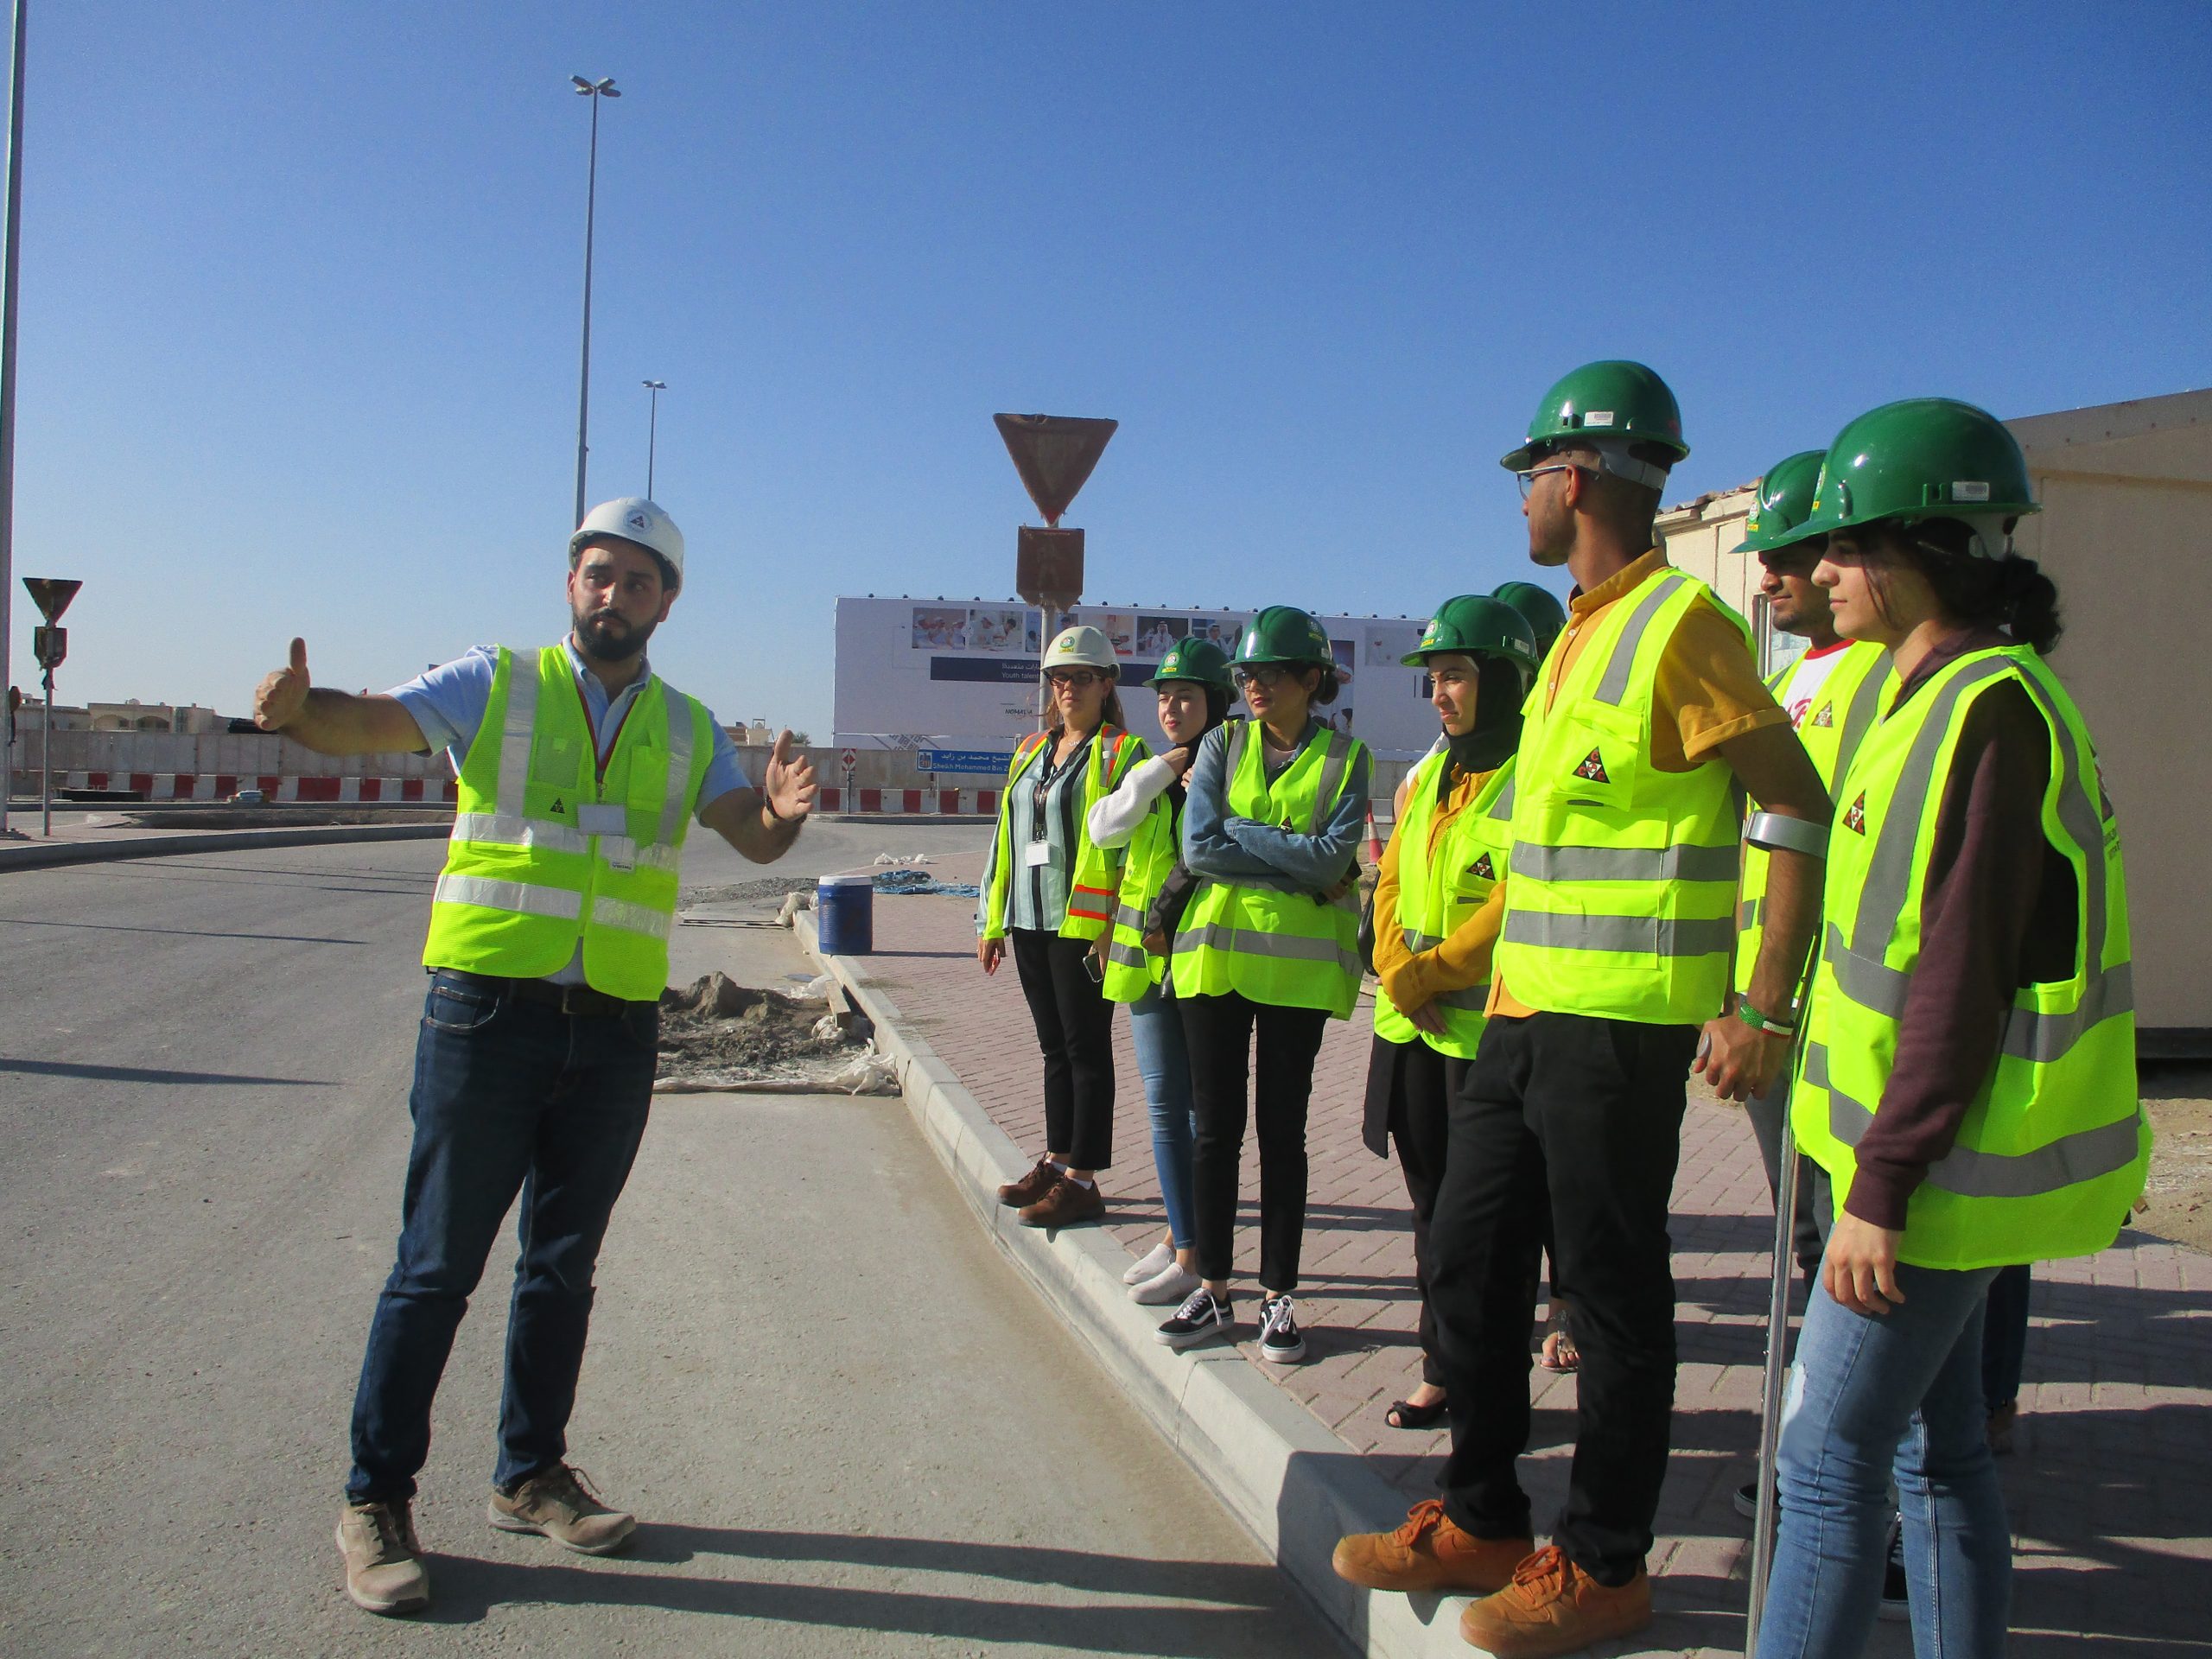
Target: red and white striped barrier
x,y
220,787
910,803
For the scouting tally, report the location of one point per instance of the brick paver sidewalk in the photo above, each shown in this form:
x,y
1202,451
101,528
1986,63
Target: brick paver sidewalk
x,y
2110,1491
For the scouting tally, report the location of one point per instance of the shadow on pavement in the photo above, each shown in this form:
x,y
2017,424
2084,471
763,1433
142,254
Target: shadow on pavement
x,y
181,932
144,1074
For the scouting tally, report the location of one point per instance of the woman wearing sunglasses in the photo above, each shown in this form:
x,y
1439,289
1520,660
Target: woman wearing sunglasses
x,y
1051,891
1268,951
1435,919
1968,1077
1145,815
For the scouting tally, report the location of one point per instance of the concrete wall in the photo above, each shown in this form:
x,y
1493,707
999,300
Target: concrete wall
x,y
2126,533
243,754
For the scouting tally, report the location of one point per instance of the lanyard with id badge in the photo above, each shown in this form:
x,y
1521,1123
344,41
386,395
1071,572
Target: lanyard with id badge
x,y
610,821
1039,851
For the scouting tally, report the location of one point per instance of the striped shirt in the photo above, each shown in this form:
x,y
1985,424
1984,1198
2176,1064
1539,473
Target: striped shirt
x,y
1037,894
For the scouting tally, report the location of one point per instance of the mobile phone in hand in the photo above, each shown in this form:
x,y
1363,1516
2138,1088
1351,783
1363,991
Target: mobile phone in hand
x,y
1095,968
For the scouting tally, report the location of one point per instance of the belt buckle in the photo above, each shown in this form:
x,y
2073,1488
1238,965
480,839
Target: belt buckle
x,y
567,1003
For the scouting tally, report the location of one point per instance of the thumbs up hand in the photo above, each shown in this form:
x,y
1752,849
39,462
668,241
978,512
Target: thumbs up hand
x,y
281,695
789,783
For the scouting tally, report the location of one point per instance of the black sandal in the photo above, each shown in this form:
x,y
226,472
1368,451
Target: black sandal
x,y
1403,1414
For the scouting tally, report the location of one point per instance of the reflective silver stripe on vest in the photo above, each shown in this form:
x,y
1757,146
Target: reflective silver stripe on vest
x,y
631,918
1232,753
1128,955
1858,721
523,898
514,830
2084,1155
1641,936
1864,977
1128,915
1417,941
679,763
1614,685
1332,777
515,734
1684,863
1252,942
1502,808
1747,913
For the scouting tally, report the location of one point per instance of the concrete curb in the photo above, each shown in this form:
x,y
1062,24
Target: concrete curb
x,y
1294,1485
164,844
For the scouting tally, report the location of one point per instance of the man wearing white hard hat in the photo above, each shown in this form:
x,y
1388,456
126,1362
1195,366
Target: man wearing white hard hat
x,y
580,773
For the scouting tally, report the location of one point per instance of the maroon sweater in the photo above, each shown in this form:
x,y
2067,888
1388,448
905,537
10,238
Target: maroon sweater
x,y
1996,912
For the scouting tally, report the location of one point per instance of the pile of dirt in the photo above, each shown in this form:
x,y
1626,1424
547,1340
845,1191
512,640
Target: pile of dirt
x,y
2179,1199
764,891
717,1033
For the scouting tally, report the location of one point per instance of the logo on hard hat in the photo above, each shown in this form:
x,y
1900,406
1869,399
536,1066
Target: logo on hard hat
x,y
638,521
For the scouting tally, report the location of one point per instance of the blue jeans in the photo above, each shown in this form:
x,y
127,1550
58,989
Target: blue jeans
x,y
1156,1029
1869,1397
509,1097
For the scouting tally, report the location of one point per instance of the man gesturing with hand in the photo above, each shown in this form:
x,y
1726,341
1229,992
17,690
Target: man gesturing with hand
x,y
579,773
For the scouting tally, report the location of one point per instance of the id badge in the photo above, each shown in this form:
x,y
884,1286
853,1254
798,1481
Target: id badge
x,y
1036,853
599,818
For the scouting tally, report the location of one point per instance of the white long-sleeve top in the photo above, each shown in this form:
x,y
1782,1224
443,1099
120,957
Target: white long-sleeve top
x,y
1114,818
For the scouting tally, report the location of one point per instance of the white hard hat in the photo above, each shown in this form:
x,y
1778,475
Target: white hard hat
x,y
1080,646
633,519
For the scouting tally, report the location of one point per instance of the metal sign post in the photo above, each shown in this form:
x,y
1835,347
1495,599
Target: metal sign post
x,y
52,595
848,759
1054,453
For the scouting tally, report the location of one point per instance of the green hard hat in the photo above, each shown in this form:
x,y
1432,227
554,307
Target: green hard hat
x,y
1479,626
1784,501
1539,607
1283,633
1199,660
1923,458
1612,399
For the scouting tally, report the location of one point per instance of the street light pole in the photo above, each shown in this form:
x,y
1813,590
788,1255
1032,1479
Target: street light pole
x,y
654,388
594,90
8,263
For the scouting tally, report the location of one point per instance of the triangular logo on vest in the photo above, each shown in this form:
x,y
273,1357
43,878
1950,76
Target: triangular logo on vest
x,y
1825,715
1483,868
1593,768
1854,817
556,806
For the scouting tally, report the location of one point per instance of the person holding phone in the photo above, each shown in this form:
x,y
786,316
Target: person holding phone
x,y
1047,888
1267,952
1145,815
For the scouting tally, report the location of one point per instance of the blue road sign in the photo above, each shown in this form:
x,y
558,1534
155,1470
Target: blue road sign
x,y
977,761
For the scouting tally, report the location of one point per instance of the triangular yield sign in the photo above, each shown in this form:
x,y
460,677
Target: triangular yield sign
x,y
52,595
1054,454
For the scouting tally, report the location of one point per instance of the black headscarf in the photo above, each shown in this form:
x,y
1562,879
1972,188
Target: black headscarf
x,y
1498,695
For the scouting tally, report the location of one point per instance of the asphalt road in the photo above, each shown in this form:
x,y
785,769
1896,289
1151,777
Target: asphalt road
x,y
848,1428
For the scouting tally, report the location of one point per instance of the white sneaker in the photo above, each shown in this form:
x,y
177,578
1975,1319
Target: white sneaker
x,y
1153,1262
1172,1286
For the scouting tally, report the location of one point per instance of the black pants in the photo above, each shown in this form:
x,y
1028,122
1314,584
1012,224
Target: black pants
x,y
1589,1112
1219,1031
1075,1027
1410,1091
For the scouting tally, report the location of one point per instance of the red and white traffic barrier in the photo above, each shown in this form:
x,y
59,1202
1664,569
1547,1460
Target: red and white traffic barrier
x,y
910,803
220,787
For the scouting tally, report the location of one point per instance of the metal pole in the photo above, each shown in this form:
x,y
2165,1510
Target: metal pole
x,y
1777,1340
652,438
8,264
583,391
45,761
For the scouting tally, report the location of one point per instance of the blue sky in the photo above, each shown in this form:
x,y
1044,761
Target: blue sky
x,y
301,287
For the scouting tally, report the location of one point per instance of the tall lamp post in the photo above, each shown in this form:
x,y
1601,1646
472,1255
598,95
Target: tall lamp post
x,y
8,391
594,90
653,389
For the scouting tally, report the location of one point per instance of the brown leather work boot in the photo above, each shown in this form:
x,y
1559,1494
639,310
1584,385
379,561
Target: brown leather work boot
x,y
1017,1195
1430,1551
1065,1205
1552,1607
559,1504
383,1566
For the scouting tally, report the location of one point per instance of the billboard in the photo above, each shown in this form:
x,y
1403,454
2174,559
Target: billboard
x,y
945,674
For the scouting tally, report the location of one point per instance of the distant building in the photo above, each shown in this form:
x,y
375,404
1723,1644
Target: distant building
x,y
132,715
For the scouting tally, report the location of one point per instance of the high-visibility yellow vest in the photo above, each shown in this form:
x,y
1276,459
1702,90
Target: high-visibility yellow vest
x,y
1436,895
1131,971
1287,950
2054,1149
1842,713
547,851
1096,875
1623,901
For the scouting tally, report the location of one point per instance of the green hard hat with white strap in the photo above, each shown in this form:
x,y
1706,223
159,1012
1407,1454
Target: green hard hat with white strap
x,y
1199,661
1477,626
1614,407
1283,633
1539,607
1924,458
1782,504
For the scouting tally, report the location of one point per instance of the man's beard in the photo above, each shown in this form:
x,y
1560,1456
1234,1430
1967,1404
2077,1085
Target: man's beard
x,y
610,638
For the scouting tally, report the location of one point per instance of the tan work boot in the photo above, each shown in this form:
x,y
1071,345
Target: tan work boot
x,y
559,1504
1016,1195
1552,1607
384,1569
1430,1551
1066,1204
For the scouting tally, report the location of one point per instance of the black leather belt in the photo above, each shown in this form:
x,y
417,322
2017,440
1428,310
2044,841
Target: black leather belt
x,y
569,999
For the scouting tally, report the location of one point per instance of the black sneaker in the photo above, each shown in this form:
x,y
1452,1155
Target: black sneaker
x,y
1278,1339
1202,1315
1893,1597
1747,1499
